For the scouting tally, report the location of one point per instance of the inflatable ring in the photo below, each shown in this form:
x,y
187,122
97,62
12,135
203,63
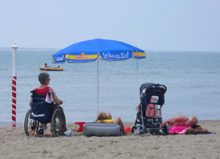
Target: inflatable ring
x,y
101,129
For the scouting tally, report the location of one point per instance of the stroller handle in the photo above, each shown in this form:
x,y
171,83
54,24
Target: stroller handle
x,y
157,85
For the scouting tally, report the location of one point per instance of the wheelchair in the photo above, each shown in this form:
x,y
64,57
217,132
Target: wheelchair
x,y
41,114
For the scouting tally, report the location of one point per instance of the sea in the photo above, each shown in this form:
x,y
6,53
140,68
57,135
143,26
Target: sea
x,y
192,80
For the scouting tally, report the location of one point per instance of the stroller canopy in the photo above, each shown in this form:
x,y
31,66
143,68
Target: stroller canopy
x,y
154,93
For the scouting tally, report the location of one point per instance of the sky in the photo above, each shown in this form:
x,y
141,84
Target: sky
x,y
165,25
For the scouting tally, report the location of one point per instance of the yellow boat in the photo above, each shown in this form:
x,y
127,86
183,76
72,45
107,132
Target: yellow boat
x,y
51,69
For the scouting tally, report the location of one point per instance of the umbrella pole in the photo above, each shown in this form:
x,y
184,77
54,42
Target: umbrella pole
x,y
97,84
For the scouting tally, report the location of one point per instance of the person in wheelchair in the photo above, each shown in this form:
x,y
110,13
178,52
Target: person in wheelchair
x,y
45,108
43,89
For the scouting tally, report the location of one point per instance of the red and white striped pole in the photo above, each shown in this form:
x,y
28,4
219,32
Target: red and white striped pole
x,y
14,78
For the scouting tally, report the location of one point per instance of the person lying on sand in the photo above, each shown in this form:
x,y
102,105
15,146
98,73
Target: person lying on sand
x,y
103,117
181,120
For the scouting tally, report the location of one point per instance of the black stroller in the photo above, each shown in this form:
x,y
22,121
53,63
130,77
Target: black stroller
x,y
149,118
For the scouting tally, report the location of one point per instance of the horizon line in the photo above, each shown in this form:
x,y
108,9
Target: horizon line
x,y
146,50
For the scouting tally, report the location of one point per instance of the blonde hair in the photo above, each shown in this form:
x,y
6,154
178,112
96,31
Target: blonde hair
x,y
194,120
102,116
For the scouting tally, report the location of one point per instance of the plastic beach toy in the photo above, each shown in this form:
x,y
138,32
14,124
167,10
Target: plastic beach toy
x,y
68,133
79,126
127,129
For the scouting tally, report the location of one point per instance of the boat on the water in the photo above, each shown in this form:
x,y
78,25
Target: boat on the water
x,y
51,68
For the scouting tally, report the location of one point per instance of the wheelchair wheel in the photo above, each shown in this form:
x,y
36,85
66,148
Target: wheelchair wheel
x,y
58,123
30,125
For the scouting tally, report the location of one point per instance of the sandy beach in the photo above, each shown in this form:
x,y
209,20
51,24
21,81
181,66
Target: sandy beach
x,y
15,144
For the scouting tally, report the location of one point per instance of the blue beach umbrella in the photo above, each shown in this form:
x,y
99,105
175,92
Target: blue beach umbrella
x,y
90,50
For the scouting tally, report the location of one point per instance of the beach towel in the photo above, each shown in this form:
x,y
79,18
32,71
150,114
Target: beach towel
x,y
49,97
202,133
182,129
178,129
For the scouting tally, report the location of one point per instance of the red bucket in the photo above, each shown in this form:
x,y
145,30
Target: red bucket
x,y
79,126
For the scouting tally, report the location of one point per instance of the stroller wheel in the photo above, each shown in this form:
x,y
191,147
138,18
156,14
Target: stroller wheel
x,y
137,130
166,129
133,129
